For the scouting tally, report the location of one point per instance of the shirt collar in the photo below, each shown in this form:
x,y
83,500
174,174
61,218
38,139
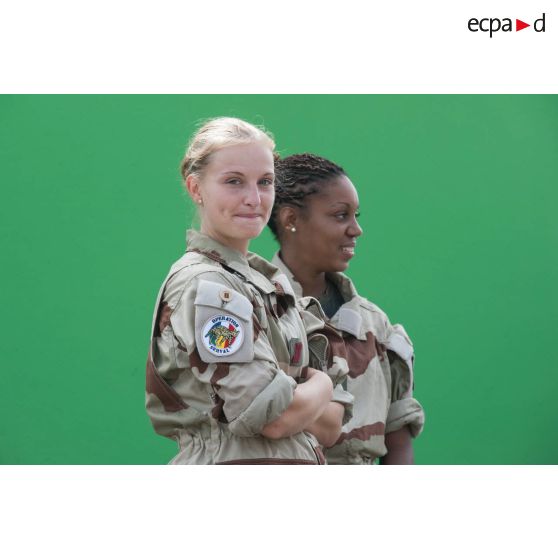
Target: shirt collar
x,y
211,248
347,318
280,264
341,281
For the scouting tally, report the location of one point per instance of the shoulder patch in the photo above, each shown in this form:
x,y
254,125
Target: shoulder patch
x,y
222,335
370,305
374,318
350,321
224,326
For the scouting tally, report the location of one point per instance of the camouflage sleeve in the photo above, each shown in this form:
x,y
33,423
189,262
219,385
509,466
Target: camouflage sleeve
x,y
230,354
340,395
404,408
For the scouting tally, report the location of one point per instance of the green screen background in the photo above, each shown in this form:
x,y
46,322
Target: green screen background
x,y
459,200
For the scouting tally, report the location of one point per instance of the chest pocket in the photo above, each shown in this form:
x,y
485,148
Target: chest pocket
x,y
223,322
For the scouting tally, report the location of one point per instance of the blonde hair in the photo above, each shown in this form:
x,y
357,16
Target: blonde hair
x,y
216,134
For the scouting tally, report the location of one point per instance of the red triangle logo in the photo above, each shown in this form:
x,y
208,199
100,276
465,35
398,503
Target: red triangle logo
x,y
519,25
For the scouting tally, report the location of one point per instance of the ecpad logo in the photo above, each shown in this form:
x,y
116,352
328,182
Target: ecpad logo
x,y
493,25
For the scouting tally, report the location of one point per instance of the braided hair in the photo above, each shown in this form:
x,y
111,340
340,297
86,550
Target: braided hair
x,y
297,177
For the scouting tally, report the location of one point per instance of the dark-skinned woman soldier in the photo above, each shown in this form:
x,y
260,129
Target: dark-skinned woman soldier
x,y
314,218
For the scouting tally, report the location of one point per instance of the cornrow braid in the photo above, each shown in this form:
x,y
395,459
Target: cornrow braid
x,y
296,178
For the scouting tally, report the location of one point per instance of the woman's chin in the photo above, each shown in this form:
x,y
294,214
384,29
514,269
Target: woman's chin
x,y
339,265
249,231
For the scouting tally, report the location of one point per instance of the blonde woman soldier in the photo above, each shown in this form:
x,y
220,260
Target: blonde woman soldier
x,y
227,371
315,221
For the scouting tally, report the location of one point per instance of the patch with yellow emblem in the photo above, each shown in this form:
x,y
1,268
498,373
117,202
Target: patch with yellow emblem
x,y
222,335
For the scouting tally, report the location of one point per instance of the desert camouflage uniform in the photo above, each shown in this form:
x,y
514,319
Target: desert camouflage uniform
x,y
228,347
380,360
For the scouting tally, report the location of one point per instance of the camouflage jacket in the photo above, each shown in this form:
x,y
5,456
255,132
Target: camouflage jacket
x,y
228,347
380,359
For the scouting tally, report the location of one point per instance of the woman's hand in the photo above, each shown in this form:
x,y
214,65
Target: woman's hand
x,y
309,402
310,372
327,428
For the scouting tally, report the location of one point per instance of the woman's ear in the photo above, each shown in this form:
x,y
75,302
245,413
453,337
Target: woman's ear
x,y
193,187
287,218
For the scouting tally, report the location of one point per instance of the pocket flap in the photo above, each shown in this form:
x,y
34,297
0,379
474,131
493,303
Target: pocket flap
x,y
223,298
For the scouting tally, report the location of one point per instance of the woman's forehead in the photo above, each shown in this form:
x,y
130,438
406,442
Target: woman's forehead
x,y
338,191
242,158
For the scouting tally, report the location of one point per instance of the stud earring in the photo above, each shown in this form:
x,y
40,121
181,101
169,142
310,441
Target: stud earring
x,y
293,229
200,201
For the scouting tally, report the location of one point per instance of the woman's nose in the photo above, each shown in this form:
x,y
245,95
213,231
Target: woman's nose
x,y
354,229
252,196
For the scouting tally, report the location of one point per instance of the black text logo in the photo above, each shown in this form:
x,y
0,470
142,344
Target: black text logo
x,y
494,24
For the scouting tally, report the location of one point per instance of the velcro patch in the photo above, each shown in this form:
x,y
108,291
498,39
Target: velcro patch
x,y
295,351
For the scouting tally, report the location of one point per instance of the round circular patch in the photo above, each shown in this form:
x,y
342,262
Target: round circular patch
x,y
222,335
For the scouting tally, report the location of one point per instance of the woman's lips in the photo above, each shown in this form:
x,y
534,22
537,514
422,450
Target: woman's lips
x,y
348,250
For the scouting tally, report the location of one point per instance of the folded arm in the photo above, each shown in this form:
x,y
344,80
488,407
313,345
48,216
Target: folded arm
x,y
327,428
309,402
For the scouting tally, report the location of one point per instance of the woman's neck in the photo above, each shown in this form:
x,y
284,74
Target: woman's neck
x,y
240,245
313,282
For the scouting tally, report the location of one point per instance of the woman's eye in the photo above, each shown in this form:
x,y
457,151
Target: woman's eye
x,y
344,215
266,182
233,181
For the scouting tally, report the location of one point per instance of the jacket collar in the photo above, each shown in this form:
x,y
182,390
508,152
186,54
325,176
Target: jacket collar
x,y
348,317
280,264
203,244
252,267
341,281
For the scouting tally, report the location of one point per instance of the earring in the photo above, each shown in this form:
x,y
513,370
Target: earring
x,y
200,201
293,229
